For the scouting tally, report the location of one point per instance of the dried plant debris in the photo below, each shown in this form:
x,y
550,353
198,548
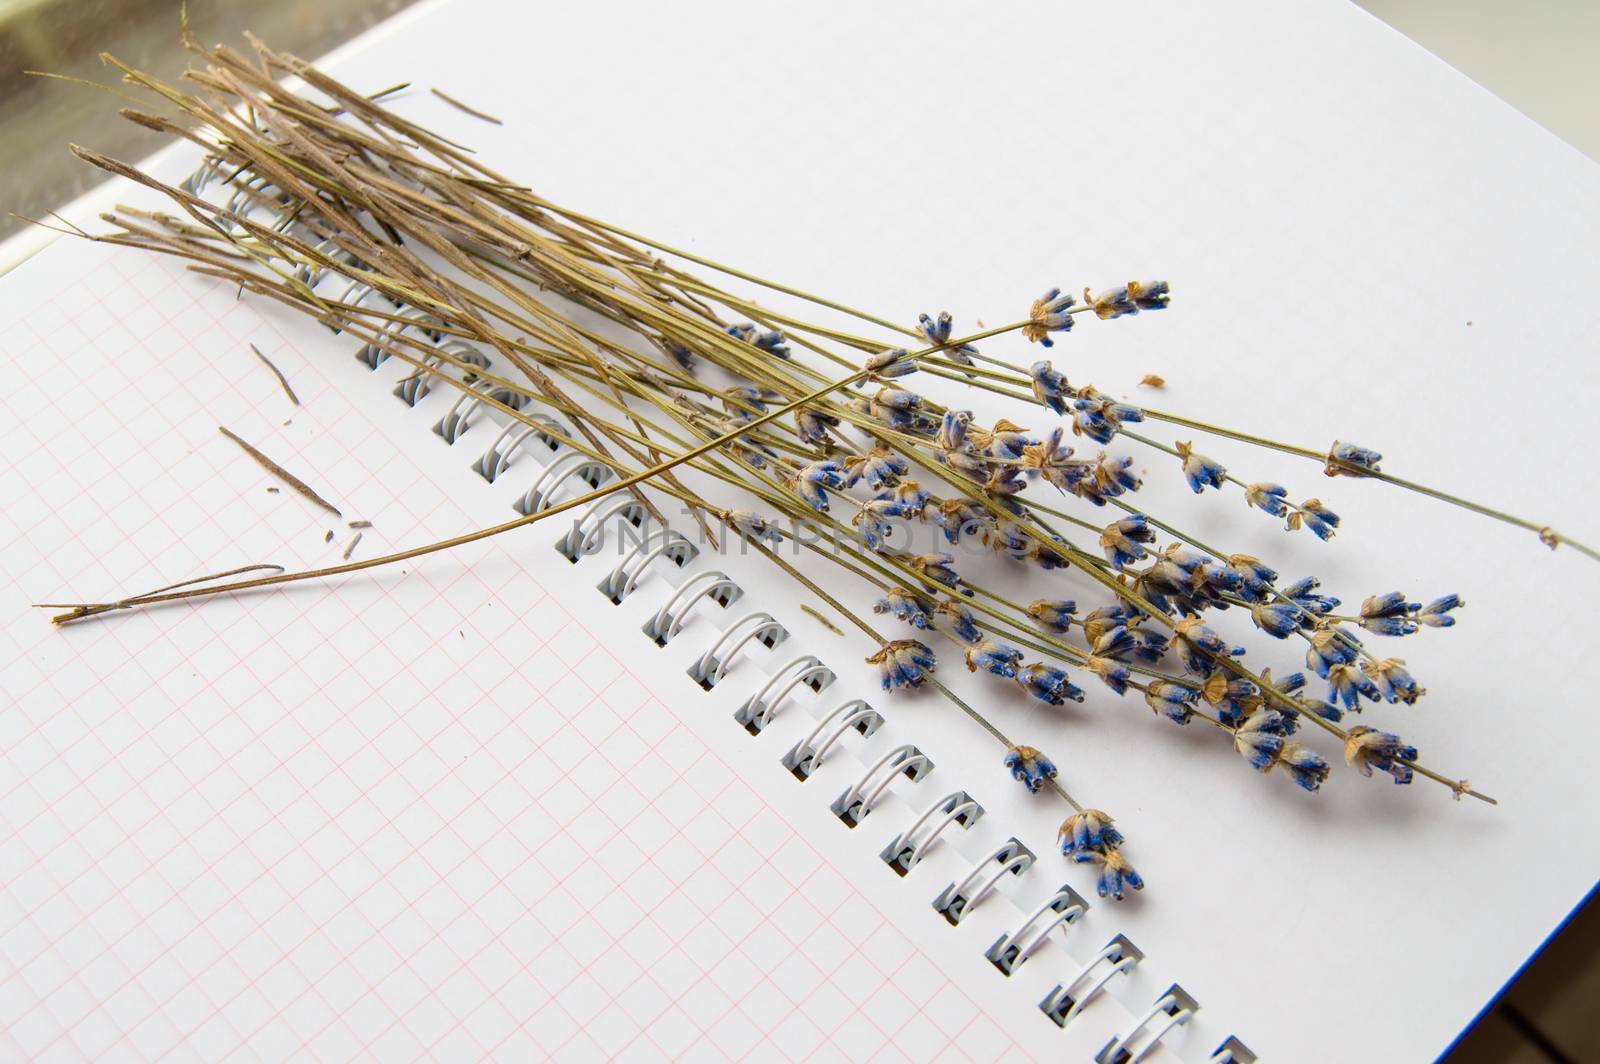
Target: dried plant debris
x,y
281,473
458,105
829,625
276,372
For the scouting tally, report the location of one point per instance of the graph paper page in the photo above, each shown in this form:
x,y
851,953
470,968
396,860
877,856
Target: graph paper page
x,y
437,813
1362,245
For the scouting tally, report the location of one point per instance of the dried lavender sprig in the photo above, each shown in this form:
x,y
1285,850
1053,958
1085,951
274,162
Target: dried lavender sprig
x,y
968,708
1307,770
1548,535
1089,564
1458,788
878,638
1085,308
931,681
1259,735
1341,636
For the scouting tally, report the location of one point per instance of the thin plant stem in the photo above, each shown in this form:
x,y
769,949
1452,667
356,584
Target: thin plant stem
x,y
89,610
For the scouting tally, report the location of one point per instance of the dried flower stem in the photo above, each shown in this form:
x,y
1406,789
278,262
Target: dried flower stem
x,y
502,238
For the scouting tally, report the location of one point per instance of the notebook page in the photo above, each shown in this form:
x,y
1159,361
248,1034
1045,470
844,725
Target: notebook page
x,y
448,811
1360,244
1324,197
1334,207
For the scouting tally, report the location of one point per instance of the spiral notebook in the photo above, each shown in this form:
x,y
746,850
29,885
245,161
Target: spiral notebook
x,y
581,794
596,789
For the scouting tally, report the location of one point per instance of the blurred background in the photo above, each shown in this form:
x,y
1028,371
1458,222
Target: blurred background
x,y
1540,56
39,115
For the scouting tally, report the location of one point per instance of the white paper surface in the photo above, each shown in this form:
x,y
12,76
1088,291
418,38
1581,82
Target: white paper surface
x,y
1362,245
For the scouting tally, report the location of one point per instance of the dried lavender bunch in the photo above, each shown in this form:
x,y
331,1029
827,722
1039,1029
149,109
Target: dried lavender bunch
x,y
340,209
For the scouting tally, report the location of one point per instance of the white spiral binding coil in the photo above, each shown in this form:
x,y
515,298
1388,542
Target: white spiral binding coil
x,y
908,848
1174,1009
1065,1001
541,495
251,193
362,295
855,713
904,760
312,273
585,538
709,669
496,458
285,220
252,196
513,397
414,386
588,532
958,899
620,582
713,584
1009,952
458,418
1232,1051
759,709
390,333
550,432
195,184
